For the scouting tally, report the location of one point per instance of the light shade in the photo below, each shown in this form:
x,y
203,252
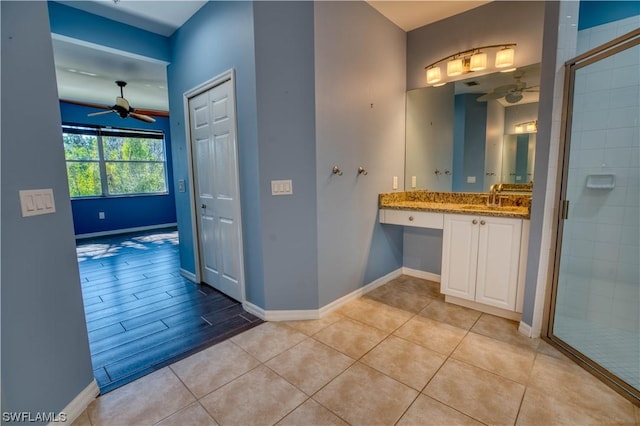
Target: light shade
x,y
505,57
433,75
532,127
454,67
519,128
478,61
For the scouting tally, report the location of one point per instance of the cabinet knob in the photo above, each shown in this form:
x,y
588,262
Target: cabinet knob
x,y
474,221
410,218
482,222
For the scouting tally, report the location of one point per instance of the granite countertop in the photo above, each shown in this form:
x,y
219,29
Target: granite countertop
x,y
515,206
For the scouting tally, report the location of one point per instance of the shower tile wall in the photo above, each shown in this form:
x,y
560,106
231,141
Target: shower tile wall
x,y
599,290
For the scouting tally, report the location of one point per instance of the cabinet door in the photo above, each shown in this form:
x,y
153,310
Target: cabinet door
x,y
459,256
498,258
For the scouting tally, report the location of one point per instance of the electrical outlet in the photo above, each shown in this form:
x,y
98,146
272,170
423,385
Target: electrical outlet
x,y
100,215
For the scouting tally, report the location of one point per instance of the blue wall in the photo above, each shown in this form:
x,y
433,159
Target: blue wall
x,y
217,38
128,211
284,48
45,351
594,13
75,23
469,141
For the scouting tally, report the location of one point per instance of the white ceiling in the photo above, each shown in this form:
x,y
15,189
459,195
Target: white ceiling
x,y
410,15
87,72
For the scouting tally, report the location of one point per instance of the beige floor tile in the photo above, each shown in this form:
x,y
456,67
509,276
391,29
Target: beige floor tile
x,y
268,340
547,349
311,327
427,411
312,413
193,415
449,313
310,365
507,360
418,286
407,301
540,408
432,334
351,337
569,383
477,393
503,329
363,396
211,368
375,314
82,420
404,361
259,397
146,400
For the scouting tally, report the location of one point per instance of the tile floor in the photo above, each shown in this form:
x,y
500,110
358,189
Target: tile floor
x,y
399,355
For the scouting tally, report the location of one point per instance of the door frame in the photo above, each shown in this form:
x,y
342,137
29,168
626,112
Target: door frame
x,y
226,76
561,212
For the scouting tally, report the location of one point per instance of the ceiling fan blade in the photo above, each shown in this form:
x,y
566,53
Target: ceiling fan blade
x,y
490,96
93,114
142,117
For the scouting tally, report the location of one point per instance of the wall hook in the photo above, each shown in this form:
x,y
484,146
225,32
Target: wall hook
x,y
437,172
362,171
447,172
336,171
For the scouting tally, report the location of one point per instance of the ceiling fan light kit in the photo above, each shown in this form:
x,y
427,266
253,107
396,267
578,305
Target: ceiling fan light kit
x,y
475,59
122,107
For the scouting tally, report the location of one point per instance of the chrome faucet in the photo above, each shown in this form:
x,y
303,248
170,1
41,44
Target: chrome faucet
x,y
493,199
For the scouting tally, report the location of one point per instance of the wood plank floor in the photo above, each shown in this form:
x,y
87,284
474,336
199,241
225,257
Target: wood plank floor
x,y
141,313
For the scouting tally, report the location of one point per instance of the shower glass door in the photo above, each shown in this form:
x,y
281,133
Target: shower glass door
x,y
595,310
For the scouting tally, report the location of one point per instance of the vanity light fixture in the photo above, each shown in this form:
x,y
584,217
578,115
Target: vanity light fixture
x,y
475,59
527,127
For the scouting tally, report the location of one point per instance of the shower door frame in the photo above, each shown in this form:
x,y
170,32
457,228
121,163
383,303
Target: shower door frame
x,y
610,48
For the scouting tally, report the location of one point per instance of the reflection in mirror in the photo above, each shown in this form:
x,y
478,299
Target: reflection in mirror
x,y
455,133
518,154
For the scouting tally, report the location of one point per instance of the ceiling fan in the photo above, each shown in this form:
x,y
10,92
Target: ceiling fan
x,y
122,107
512,93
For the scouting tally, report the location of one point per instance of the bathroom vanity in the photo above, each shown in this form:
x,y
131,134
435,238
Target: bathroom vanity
x,y
484,248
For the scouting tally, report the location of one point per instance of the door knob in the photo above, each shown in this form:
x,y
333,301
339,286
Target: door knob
x,y
482,222
204,206
475,222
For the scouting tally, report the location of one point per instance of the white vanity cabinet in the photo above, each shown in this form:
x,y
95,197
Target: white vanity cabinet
x,y
484,260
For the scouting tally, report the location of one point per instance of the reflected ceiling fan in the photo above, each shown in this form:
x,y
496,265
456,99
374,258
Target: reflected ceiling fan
x,y
122,107
512,93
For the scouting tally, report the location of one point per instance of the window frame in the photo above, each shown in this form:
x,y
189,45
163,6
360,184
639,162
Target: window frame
x,y
99,132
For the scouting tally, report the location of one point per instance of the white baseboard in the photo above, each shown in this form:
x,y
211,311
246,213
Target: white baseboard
x,y
311,314
80,403
125,231
326,309
189,275
421,274
525,329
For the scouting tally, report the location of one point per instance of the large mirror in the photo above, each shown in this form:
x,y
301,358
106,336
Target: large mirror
x,y
471,134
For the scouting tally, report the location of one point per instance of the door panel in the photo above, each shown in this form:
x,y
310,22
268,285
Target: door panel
x,y
459,256
596,289
212,124
498,256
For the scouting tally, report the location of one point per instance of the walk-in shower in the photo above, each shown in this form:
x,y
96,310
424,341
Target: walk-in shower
x,y
595,303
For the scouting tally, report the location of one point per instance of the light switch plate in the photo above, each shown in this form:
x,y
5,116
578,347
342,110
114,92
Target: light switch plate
x,y
395,182
181,185
413,181
35,202
471,179
281,187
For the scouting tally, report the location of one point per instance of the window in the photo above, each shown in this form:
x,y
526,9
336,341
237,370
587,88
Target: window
x,y
114,162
